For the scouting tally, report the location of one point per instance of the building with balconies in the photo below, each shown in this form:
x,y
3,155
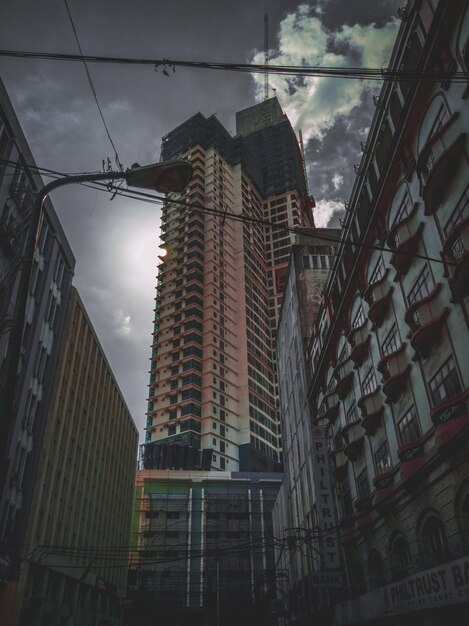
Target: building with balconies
x,y
212,401
390,351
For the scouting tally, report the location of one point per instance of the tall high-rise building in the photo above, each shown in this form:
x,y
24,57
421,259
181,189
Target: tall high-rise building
x,y
212,388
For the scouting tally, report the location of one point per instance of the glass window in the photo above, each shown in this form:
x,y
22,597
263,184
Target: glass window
x,y
460,213
359,319
445,384
363,484
434,540
409,427
391,341
369,382
383,459
422,287
377,272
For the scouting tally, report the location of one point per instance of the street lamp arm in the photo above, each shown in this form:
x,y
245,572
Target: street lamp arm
x,y
170,176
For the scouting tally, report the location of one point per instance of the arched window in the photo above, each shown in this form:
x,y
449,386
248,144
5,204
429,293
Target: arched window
x,y
400,557
356,578
376,569
437,114
401,205
462,516
435,544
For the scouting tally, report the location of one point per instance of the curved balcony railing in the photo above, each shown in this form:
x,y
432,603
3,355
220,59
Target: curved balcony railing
x,y
354,438
329,407
359,339
372,408
425,319
344,376
340,464
438,164
394,369
378,296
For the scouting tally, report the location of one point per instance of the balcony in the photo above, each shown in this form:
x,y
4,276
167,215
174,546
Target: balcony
x,y
329,408
384,479
359,340
354,438
378,297
372,409
456,251
452,408
438,166
344,376
395,371
425,320
340,464
404,239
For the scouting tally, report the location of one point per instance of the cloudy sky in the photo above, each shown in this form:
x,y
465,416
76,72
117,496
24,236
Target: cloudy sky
x,y
116,243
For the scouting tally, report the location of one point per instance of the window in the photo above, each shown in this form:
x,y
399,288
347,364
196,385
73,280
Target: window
x,y
359,319
173,398
422,287
369,383
460,213
434,541
445,384
175,356
363,484
391,341
383,459
409,428
377,272
175,370
401,558
171,429
376,569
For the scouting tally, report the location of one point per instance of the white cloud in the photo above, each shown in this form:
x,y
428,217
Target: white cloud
x,y
314,104
337,180
325,210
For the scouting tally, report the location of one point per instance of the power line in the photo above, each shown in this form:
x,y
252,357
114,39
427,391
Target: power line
x,y
357,73
196,207
93,90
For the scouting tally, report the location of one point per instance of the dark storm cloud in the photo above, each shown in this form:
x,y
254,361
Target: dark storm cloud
x,y
116,243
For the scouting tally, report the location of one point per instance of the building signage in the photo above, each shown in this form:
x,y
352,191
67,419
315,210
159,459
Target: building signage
x,y
444,585
328,542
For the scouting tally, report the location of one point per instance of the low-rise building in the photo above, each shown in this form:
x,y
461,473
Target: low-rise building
x,y
203,547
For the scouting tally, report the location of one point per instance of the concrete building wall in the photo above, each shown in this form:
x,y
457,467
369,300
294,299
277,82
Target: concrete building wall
x,y
221,279
22,428
301,554
75,555
203,545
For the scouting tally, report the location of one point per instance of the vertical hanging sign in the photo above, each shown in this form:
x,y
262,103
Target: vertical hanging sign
x,y
325,507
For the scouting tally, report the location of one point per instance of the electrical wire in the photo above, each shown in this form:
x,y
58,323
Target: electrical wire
x,y
356,73
196,207
93,90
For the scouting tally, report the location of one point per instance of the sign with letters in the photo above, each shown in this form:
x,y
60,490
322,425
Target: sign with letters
x,y
328,541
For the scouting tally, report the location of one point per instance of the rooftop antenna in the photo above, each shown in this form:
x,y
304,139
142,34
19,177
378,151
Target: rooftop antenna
x,y
266,56
310,201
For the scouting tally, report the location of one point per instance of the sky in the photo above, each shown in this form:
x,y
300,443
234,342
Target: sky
x,y
116,242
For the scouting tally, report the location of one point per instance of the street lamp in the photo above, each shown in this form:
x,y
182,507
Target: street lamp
x,y
166,177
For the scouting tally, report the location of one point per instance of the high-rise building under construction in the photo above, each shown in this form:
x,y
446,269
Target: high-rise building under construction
x,y
212,395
